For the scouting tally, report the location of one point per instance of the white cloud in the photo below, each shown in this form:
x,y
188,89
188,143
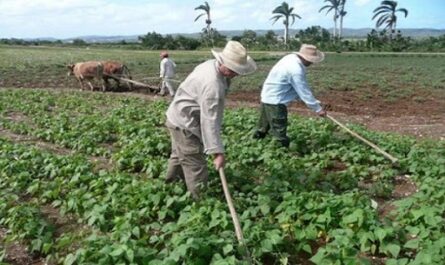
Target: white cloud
x,y
71,18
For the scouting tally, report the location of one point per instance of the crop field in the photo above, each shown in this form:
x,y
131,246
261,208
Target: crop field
x,y
393,76
82,173
374,86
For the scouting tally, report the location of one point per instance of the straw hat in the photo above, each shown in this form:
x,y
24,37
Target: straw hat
x,y
310,53
234,56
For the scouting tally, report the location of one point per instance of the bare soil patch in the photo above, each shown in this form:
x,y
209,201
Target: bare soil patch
x,y
17,117
17,253
403,188
422,115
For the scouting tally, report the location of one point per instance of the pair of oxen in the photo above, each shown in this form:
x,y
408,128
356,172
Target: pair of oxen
x,y
100,70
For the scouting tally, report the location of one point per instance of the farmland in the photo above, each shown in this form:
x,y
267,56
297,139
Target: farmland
x,y
81,173
379,87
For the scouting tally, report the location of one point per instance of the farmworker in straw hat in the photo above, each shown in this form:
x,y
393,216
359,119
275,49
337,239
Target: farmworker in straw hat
x,y
285,82
195,115
167,70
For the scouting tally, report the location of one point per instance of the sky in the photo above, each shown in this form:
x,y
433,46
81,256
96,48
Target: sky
x,y
73,18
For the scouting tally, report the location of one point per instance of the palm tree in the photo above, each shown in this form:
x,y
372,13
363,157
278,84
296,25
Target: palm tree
x,y
333,5
283,11
206,8
387,14
341,13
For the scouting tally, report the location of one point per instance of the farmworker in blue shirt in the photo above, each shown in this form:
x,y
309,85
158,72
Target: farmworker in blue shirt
x,y
194,117
285,82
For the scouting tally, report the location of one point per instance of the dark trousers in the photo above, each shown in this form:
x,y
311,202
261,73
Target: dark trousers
x,y
273,119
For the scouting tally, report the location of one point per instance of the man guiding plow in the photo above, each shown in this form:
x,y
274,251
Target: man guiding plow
x,y
167,71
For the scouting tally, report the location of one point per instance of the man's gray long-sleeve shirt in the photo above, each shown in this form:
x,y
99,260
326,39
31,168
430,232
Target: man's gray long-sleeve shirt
x,y
198,105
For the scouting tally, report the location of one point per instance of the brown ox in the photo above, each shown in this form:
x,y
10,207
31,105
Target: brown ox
x,y
87,71
115,70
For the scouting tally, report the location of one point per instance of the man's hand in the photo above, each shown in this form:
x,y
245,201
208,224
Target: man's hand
x,y
219,161
322,113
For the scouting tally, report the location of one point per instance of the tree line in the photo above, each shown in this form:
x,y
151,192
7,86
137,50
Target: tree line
x,y
386,39
375,41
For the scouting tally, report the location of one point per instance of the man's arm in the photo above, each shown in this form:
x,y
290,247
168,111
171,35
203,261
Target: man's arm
x,y
162,69
299,83
211,104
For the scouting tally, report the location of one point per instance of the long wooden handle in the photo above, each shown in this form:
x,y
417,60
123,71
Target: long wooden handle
x,y
238,231
390,157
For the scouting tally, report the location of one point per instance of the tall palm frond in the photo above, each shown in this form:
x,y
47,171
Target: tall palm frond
x,y
206,8
386,14
283,11
333,5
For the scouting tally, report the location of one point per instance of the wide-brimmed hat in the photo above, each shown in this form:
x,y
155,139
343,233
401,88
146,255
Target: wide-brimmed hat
x,y
310,53
234,56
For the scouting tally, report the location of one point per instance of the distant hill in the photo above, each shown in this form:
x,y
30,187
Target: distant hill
x,y
105,39
347,33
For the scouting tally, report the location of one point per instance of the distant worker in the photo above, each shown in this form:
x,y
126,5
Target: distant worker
x,y
167,73
195,116
285,82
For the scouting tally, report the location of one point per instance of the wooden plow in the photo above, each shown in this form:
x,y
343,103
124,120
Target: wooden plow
x,y
133,84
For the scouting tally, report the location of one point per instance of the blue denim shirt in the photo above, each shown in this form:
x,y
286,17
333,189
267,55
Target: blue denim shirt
x,y
287,81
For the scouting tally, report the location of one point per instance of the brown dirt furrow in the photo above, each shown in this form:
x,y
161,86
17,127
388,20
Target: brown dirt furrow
x,y
422,120
17,253
407,116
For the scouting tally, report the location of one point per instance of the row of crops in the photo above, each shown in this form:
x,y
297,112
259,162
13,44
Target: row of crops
x,y
306,204
390,76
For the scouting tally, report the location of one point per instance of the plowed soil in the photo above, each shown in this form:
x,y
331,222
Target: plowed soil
x,y
423,118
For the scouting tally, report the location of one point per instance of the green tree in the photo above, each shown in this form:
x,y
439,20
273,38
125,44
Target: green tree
x,y
185,43
375,40
271,36
170,43
214,38
206,8
248,38
315,35
386,14
79,42
284,12
152,40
